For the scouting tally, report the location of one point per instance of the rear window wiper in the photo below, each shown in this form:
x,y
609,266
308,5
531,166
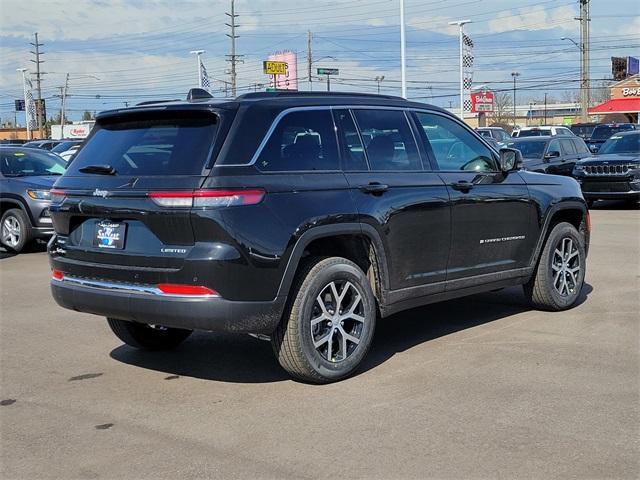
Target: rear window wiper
x,y
99,169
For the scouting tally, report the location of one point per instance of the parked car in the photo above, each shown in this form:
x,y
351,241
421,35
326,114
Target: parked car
x,y
12,141
602,132
499,134
583,130
555,155
302,217
67,149
26,177
542,131
614,173
42,144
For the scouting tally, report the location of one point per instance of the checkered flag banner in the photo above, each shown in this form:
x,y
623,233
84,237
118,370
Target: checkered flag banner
x,y
206,84
29,106
467,71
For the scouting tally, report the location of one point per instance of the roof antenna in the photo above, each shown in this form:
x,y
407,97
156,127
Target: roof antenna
x,y
198,94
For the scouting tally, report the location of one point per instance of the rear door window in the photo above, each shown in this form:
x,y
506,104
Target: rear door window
x,y
303,140
388,140
351,147
164,144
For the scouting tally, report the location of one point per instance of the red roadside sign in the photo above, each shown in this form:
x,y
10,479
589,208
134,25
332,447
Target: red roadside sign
x,y
482,101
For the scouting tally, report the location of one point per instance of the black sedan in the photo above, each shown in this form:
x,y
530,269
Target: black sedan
x,y
546,154
614,173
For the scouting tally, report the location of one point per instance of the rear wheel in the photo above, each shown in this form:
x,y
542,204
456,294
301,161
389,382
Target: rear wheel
x,y
329,324
558,278
15,230
147,337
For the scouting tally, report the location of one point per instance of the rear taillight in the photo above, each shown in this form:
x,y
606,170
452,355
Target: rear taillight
x,y
57,195
208,198
57,275
180,289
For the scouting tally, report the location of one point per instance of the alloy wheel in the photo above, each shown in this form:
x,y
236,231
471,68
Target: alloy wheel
x,y
565,265
337,321
11,231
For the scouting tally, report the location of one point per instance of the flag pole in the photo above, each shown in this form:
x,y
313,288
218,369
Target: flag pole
x,y
197,53
460,24
26,102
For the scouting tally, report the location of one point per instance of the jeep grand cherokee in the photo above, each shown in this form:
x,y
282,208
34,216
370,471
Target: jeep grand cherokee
x,y
303,217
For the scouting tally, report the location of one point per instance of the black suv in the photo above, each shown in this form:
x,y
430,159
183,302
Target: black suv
x,y
557,154
614,173
602,132
303,217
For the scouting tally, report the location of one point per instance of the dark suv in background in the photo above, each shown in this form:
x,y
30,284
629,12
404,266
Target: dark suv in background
x,y
26,178
303,217
602,132
556,155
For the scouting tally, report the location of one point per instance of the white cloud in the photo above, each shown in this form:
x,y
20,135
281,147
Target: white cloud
x,y
533,18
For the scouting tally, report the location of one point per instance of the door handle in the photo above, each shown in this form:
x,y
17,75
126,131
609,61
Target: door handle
x,y
462,185
375,188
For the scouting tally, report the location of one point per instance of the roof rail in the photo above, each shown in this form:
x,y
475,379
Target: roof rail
x,y
292,93
198,94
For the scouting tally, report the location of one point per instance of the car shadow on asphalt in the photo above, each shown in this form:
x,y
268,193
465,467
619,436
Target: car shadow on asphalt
x,y
35,247
244,359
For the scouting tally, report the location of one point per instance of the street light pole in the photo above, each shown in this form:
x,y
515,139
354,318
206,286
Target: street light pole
x,y
514,75
379,79
197,53
584,76
403,65
460,24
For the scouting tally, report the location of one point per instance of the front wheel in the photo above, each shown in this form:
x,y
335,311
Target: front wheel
x,y
15,230
147,337
329,324
558,278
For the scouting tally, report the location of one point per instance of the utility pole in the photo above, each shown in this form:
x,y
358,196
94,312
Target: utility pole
x,y
63,99
309,60
514,75
232,57
197,53
37,61
545,109
584,59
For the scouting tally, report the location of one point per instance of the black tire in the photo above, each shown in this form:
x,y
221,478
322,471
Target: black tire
x,y
293,340
547,290
146,337
12,219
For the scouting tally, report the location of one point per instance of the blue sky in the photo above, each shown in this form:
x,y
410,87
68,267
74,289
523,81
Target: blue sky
x,y
131,50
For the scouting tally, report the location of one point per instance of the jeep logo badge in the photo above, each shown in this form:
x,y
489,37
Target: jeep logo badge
x,y
100,193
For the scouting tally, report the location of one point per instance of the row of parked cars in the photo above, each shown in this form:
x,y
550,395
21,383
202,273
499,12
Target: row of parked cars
x,y
603,158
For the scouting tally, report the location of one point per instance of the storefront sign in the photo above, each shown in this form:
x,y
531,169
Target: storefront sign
x,y
482,102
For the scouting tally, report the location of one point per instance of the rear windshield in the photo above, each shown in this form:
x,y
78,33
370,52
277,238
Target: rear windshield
x,y
534,133
168,143
602,132
529,148
583,130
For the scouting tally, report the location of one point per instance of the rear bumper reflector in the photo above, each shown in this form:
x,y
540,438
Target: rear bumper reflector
x,y
163,289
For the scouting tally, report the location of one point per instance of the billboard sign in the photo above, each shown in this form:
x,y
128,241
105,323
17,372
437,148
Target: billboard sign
x,y
482,101
287,79
19,105
633,66
274,68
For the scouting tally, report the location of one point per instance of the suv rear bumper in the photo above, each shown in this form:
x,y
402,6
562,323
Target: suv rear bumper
x,y
140,304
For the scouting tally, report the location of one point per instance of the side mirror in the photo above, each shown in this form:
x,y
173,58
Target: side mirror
x,y
552,154
510,159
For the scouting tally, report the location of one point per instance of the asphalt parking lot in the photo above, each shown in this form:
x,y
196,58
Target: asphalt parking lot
x,y
482,387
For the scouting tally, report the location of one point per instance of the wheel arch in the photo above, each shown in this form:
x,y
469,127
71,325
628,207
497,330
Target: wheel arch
x,y
573,212
359,243
9,202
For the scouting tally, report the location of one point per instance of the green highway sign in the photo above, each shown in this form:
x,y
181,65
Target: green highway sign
x,y
328,71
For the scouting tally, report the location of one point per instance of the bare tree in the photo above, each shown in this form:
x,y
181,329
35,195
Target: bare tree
x,y
502,114
601,92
